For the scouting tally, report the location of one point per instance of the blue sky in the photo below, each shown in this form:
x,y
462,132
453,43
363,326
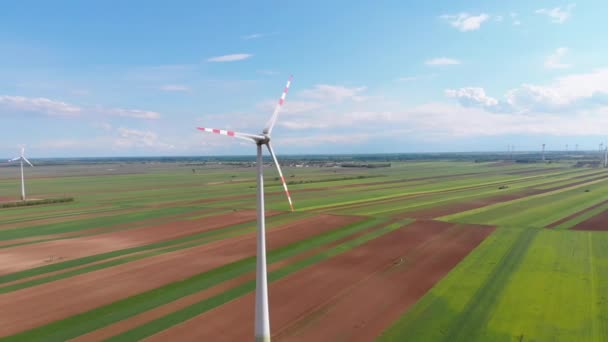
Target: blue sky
x,y
118,78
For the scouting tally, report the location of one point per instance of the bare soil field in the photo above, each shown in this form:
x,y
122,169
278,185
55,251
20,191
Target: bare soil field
x,y
14,259
354,295
597,223
39,305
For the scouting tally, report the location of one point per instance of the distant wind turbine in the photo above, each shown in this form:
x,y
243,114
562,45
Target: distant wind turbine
x,y
543,155
22,159
262,320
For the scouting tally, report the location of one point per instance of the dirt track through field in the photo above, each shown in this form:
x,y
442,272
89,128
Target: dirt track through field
x,y
382,278
39,305
19,258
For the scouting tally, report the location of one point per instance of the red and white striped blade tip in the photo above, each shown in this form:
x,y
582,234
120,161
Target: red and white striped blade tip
x,y
216,131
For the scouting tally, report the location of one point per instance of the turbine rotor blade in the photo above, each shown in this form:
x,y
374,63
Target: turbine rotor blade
x,y
22,151
14,159
277,109
276,163
27,161
246,136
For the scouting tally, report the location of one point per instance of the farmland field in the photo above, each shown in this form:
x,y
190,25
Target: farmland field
x,y
419,251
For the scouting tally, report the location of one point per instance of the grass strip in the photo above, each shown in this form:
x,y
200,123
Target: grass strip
x,y
96,222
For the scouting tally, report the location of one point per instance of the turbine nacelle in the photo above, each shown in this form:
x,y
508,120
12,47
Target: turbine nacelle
x,y
264,141
263,138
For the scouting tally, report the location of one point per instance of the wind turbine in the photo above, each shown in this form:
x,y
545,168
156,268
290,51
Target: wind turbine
x,y
543,155
262,320
22,159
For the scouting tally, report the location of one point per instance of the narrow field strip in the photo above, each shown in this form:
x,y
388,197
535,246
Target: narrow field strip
x,y
218,261
505,213
64,227
20,258
423,206
576,218
17,220
406,194
32,277
201,213
597,222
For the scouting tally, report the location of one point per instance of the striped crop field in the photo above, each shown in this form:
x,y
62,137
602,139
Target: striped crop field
x,y
418,251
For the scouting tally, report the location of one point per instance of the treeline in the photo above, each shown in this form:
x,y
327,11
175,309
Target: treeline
x,y
36,202
306,181
366,165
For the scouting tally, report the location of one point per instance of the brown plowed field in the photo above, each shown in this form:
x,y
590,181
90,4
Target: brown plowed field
x,y
598,223
19,258
354,295
145,317
39,305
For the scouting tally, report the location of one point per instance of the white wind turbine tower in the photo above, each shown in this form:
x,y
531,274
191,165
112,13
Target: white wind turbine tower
x,y
543,155
262,319
22,159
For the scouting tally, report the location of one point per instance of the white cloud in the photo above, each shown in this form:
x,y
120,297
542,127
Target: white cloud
x,y
515,19
471,97
48,107
407,79
130,113
442,61
253,36
465,21
554,60
344,138
103,126
558,15
175,87
230,58
129,138
572,93
289,108
39,105
333,93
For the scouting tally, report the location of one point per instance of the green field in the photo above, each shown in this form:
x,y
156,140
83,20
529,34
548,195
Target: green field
x,y
160,227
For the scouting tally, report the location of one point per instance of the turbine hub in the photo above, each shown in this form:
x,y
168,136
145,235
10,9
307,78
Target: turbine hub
x,y
266,139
